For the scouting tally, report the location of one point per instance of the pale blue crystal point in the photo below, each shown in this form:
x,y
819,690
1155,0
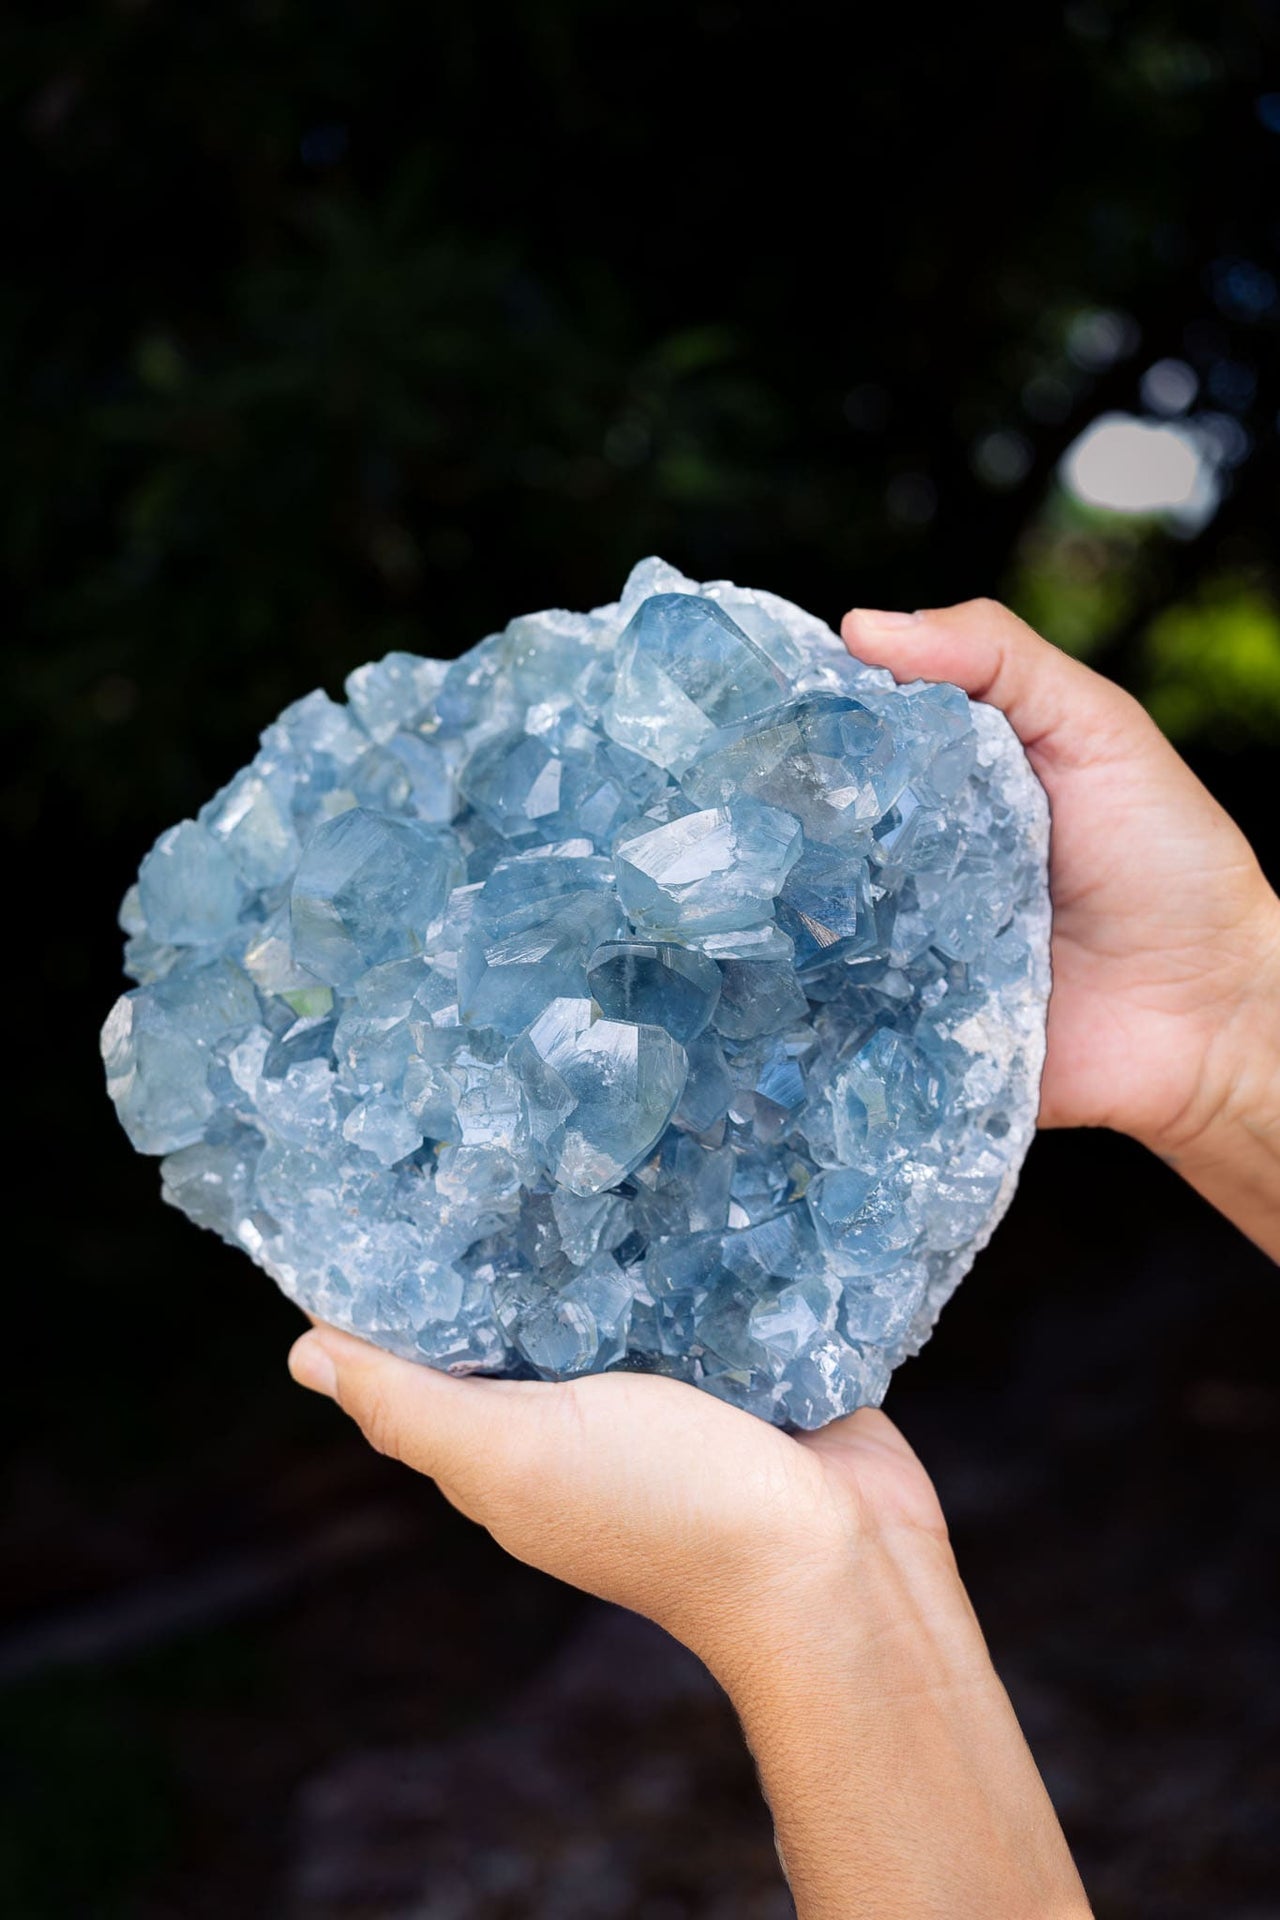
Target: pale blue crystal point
x,y
367,889
708,872
188,894
684,668
673,987
655,988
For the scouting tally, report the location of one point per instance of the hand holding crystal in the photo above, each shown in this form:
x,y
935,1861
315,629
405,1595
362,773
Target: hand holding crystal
x,y
813,1575
639,1490
1164,1021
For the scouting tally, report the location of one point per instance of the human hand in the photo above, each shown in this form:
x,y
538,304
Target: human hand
x,y
1164,1019
644,1491
814,1577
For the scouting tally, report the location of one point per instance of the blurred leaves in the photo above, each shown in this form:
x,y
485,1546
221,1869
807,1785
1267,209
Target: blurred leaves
x,y
1213,663
329,334
1078,571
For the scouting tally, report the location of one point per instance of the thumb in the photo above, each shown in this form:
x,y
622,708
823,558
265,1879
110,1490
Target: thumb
x,y
870,1454
1064,713
479,1439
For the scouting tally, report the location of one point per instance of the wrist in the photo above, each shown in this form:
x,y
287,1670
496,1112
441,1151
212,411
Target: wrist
x,y
889,1606
1230,1047
1252,1044
1226,1139
891,1759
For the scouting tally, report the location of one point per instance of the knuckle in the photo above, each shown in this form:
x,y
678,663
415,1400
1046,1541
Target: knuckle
x,y
1124,718
1128,707
575,1407
992,613
377,1422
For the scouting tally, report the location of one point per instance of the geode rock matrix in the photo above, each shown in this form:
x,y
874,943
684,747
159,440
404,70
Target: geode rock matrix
x,y
655,988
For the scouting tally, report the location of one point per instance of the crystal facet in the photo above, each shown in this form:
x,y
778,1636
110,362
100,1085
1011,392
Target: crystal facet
x,y
653,988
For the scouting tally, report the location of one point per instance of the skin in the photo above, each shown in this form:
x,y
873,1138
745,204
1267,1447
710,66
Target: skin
x,y
1165,1017
813,1573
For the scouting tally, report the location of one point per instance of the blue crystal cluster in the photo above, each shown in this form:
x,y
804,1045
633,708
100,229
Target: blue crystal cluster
x,y
654,988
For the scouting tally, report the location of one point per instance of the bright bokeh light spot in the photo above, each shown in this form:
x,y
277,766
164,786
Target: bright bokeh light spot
x,y
1142,466
1169,386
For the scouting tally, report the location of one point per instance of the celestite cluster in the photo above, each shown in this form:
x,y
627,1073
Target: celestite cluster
x,y
653,988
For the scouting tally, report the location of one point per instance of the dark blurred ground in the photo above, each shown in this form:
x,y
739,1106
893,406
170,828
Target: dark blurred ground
x,y
331,329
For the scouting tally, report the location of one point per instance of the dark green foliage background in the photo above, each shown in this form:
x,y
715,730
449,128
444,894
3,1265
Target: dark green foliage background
x,y
332,328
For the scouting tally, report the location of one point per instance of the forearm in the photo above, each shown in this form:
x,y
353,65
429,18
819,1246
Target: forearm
x,y
899,1781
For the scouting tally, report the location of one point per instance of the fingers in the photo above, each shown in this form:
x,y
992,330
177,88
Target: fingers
x,y
470,1435
1065,714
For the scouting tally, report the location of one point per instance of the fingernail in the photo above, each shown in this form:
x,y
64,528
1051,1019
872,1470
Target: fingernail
x,y
311,1366
880,617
